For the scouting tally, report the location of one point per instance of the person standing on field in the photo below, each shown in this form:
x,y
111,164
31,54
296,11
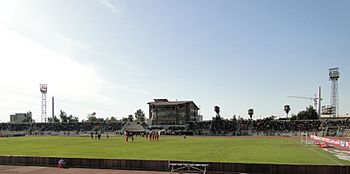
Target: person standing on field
x,y
126,137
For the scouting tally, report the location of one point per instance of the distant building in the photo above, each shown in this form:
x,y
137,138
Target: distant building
x,y
164,112
18,117
341,116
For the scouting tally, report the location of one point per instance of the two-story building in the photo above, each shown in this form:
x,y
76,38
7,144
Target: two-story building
x,y
164,112
18,117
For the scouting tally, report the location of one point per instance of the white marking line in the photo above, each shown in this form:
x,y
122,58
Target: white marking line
x,y
343,155
327,156
312,148
278,145
224,146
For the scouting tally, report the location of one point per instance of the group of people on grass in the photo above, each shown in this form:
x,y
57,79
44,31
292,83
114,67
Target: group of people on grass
x,y
154,135
97,135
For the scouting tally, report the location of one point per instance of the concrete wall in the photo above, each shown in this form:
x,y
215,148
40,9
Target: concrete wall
x,y
159,165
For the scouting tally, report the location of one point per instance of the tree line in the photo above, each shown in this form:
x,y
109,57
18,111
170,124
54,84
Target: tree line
x,y
138,116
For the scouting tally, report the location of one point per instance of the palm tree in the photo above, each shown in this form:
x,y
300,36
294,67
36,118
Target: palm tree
x,y
217,110
286,109
251,113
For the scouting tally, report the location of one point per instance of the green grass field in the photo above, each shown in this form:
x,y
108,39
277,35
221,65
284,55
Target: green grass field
x,y
214,149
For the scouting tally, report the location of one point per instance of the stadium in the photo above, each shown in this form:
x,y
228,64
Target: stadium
x,y
261,146
176,86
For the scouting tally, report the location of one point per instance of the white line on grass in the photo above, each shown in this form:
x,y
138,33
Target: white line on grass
x,y
224,146
327,156
312,148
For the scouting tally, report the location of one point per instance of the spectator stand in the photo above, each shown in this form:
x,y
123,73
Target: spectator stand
x,y
217,126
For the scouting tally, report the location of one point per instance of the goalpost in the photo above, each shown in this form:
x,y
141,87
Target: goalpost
x,y
302,134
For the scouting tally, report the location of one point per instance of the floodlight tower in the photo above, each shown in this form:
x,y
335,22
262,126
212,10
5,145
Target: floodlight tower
x,y
333,77
43,90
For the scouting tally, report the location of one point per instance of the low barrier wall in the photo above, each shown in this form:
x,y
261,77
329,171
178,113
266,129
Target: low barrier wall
x,y
86,163
159,165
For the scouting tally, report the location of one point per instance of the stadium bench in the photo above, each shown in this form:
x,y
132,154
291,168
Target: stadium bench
x,y
191,167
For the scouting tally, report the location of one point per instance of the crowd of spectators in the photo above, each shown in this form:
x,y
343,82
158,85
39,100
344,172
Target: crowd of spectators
x,y
216,126
220,126
278,126
14,127
57,127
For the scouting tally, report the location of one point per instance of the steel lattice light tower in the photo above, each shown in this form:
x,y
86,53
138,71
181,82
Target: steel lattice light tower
x,y
333,77
43,90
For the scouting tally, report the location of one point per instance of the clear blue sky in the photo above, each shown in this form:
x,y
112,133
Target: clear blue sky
x,y
112,57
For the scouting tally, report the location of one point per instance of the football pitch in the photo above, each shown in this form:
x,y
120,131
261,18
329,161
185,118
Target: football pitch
x,y
279,150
